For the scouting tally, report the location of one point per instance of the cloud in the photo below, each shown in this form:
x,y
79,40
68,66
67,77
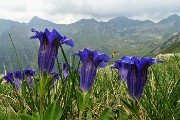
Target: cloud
x,y
13,5
106,8
68,11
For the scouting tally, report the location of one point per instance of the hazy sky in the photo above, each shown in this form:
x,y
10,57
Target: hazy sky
x,y
68,11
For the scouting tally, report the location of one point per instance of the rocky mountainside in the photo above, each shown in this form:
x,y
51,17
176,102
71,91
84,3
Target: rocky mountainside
x,y
172,45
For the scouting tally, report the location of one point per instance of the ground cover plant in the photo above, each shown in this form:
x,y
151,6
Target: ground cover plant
x,y
86,86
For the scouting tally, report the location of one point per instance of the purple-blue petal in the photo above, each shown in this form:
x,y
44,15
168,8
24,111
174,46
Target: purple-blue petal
x,y
101,64
56,76
33,30
126,58
17,74
48,50
116,65
102,57
137,76
67,42
9,77
17,84
65,70
14,81
89,62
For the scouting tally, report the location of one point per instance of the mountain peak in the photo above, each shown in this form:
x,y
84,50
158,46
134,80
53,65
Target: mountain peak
x,y
171,18
39,21
126,22
174,16
119,18
35,18
88,20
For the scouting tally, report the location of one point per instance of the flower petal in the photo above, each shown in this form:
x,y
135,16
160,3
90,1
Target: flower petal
x,y
48,50
101,64
126,58
101,58
67,42
17,74
65,70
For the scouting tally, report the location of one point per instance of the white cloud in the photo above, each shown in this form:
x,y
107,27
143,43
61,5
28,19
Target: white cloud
x,y
68,11
13,5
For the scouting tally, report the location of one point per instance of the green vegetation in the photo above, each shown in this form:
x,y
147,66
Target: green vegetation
x,y
160,99
174,48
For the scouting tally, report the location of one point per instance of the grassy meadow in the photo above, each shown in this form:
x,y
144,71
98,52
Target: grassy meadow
x,y
107,99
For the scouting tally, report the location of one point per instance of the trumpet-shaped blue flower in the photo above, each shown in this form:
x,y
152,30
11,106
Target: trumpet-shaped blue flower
x,y
65,70
48,50
90,60
55,77
17,76
28,74
136,73
13,79
122,67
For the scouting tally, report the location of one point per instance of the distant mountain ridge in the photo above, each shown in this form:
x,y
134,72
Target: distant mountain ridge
x,y
127,36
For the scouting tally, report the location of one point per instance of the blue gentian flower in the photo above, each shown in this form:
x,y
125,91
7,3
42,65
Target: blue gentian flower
x,y
65,70
48,50
55,77
28,74
136,73
122,67
13,79
90,60
17,76
9,78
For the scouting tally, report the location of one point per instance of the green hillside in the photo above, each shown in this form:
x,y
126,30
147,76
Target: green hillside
x,y
174,48
126,36
171,45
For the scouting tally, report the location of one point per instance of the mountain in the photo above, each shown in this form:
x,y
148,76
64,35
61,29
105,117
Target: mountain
x,y
172,45
122,21
126,36
6,25
173,18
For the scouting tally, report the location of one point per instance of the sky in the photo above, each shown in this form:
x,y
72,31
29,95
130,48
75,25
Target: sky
x,y
70,11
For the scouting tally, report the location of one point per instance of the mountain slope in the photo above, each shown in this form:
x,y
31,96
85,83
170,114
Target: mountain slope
x,y
172,45
127,36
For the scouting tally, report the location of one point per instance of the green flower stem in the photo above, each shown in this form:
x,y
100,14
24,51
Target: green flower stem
x,y
66,61
137,109
41,93
41,107
82,104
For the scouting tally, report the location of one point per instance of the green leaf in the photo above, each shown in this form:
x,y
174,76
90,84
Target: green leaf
x,y
57,113
10,114
52,113
1,113
80,102
1,80
128,105
49,114
48,83
105,114
89,116
36,116
26,117
45,75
